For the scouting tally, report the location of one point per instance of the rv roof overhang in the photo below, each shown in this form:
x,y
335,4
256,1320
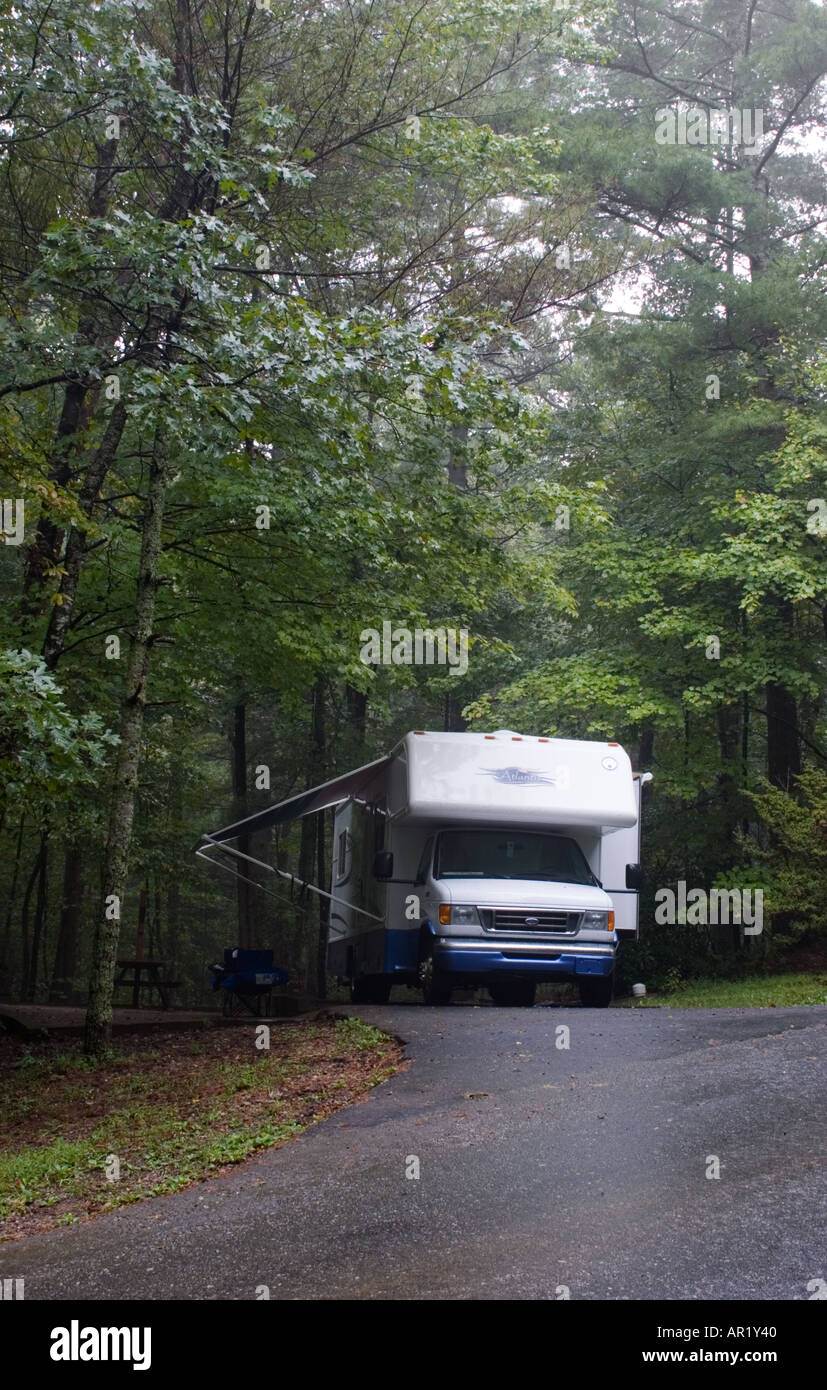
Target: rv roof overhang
x,y
513,779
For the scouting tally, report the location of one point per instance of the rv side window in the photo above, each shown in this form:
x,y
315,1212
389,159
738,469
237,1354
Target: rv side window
x,y
425,861
341,865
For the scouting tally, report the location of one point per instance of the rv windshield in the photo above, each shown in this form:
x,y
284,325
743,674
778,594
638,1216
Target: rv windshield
x,y
510,854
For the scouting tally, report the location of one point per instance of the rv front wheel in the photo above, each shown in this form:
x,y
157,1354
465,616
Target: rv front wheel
x,y
431,982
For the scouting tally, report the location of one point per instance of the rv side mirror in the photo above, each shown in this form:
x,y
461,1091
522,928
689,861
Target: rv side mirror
x,y
634,877
383,864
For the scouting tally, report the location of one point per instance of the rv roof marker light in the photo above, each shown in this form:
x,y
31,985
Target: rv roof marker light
x,y
543,740
419,731
516,738
488,735
612,745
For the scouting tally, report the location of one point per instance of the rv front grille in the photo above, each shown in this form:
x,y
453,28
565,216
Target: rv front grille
x,y
530,919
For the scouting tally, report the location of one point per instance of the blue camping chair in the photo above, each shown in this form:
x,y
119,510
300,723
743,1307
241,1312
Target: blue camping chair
x,y
247,980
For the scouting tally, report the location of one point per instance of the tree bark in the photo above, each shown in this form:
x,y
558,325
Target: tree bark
x,y
119,839
311,851
25,952
357,709
783,747
319,773
4,947
39,916
174,819
238,757
61,614
62,987
452,715
78,403
305,914
155,916
729,737
646,749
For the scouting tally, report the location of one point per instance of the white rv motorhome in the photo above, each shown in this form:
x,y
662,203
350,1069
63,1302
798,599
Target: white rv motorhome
x,y
502,860
499,859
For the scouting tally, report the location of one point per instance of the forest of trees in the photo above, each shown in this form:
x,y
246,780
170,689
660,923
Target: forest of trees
x,y
321,315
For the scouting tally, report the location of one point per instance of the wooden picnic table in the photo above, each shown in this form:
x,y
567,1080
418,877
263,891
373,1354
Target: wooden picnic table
x,y
142,974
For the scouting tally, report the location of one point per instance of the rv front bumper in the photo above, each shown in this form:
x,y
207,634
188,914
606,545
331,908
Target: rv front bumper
x,y
472,957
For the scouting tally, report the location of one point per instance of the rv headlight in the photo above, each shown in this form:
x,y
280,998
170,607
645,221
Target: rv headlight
x,y
464,916
599,921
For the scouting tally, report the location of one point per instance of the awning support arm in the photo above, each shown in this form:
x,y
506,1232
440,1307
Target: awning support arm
x,y
243,878
281,873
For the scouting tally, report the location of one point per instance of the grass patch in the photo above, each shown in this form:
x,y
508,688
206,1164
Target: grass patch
x,y
354,1032
756,992
81,1136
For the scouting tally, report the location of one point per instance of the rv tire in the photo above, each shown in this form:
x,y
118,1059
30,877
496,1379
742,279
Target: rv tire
x,y
431,982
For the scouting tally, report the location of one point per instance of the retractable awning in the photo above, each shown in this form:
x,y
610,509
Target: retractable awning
x,y
356,783
359,783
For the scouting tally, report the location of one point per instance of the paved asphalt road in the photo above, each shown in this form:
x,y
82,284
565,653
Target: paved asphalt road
x,y
539,1168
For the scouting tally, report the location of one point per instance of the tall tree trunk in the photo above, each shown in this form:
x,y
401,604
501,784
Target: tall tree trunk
x,y
5,972
61,614
452,715
728,718
238,757
357,700
119,839
39,916
783,747
357,709
319,772
155,915
62,987
311,853
25,949
457,466
306,906
78,404
646,749
728,721
57,631
762,250
80,397
173,931
745,719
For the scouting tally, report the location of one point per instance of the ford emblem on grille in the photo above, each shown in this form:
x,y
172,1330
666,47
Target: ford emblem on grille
x,y
532,921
